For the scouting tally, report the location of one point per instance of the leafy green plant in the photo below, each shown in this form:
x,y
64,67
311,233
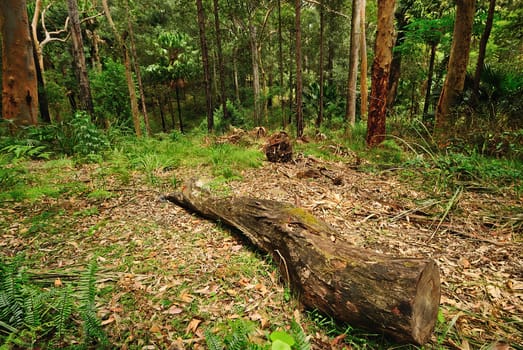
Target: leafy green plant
x,y
31,316
237,337
88,140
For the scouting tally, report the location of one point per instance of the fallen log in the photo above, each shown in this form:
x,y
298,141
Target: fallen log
x,y
394,296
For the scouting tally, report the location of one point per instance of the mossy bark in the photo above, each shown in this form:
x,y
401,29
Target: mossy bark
x,y
395,296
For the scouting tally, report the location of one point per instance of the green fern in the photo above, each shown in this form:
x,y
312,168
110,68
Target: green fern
x,y
92,326
64,309
302,341
213,341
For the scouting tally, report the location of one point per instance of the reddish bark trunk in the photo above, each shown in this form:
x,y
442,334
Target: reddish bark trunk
x,y
380,73
19,79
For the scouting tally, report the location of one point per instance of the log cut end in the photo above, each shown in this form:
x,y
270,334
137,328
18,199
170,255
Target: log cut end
x,y
426,303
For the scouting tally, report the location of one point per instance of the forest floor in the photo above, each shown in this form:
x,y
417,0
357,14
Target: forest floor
x,y
167,275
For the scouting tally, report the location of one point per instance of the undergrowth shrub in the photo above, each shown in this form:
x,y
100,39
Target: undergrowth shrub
x,y
32,316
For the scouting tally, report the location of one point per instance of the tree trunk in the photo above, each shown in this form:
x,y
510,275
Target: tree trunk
x,y
483,45
380,73
128,70
235,74
299,83
457,66
402,21
319,119
354,55
179,107
221,69
43,102
136,66
430,73
395,296
363,69
280,63
86,100
255,74
19,80
205,63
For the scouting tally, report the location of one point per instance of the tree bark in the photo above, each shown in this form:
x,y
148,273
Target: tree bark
x,y
430,74
205,63
299,82
363,69
402,21
137,70
457,66
128,70
280,64
86,100
483,45
319,119
221,69
395,296
354,56
19,78
380,73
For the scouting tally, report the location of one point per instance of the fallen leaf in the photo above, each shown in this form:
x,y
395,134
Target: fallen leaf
x,y
192,326
174,310
58,283
109,320
155,329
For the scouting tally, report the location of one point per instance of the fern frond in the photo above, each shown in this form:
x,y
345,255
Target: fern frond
x,y
87,285
32,306
302,341
238,340
64,309
213,341
93,327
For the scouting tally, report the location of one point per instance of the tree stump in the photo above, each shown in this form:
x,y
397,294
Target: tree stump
x,y
395,296
279,148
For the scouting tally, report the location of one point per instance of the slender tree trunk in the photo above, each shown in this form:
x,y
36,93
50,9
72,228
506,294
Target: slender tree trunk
x,y
162,114
380,73
137,70
235,74
457,66
128,70
19,77
483,45
43,103
395,67
34,32
364,93
205,63
86,100
255,73
291,78
280,63
177,87
299,83
221,69
352,80
430,74
319,119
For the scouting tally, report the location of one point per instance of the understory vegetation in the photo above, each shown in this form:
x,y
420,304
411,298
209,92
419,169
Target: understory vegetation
x,y
66,173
